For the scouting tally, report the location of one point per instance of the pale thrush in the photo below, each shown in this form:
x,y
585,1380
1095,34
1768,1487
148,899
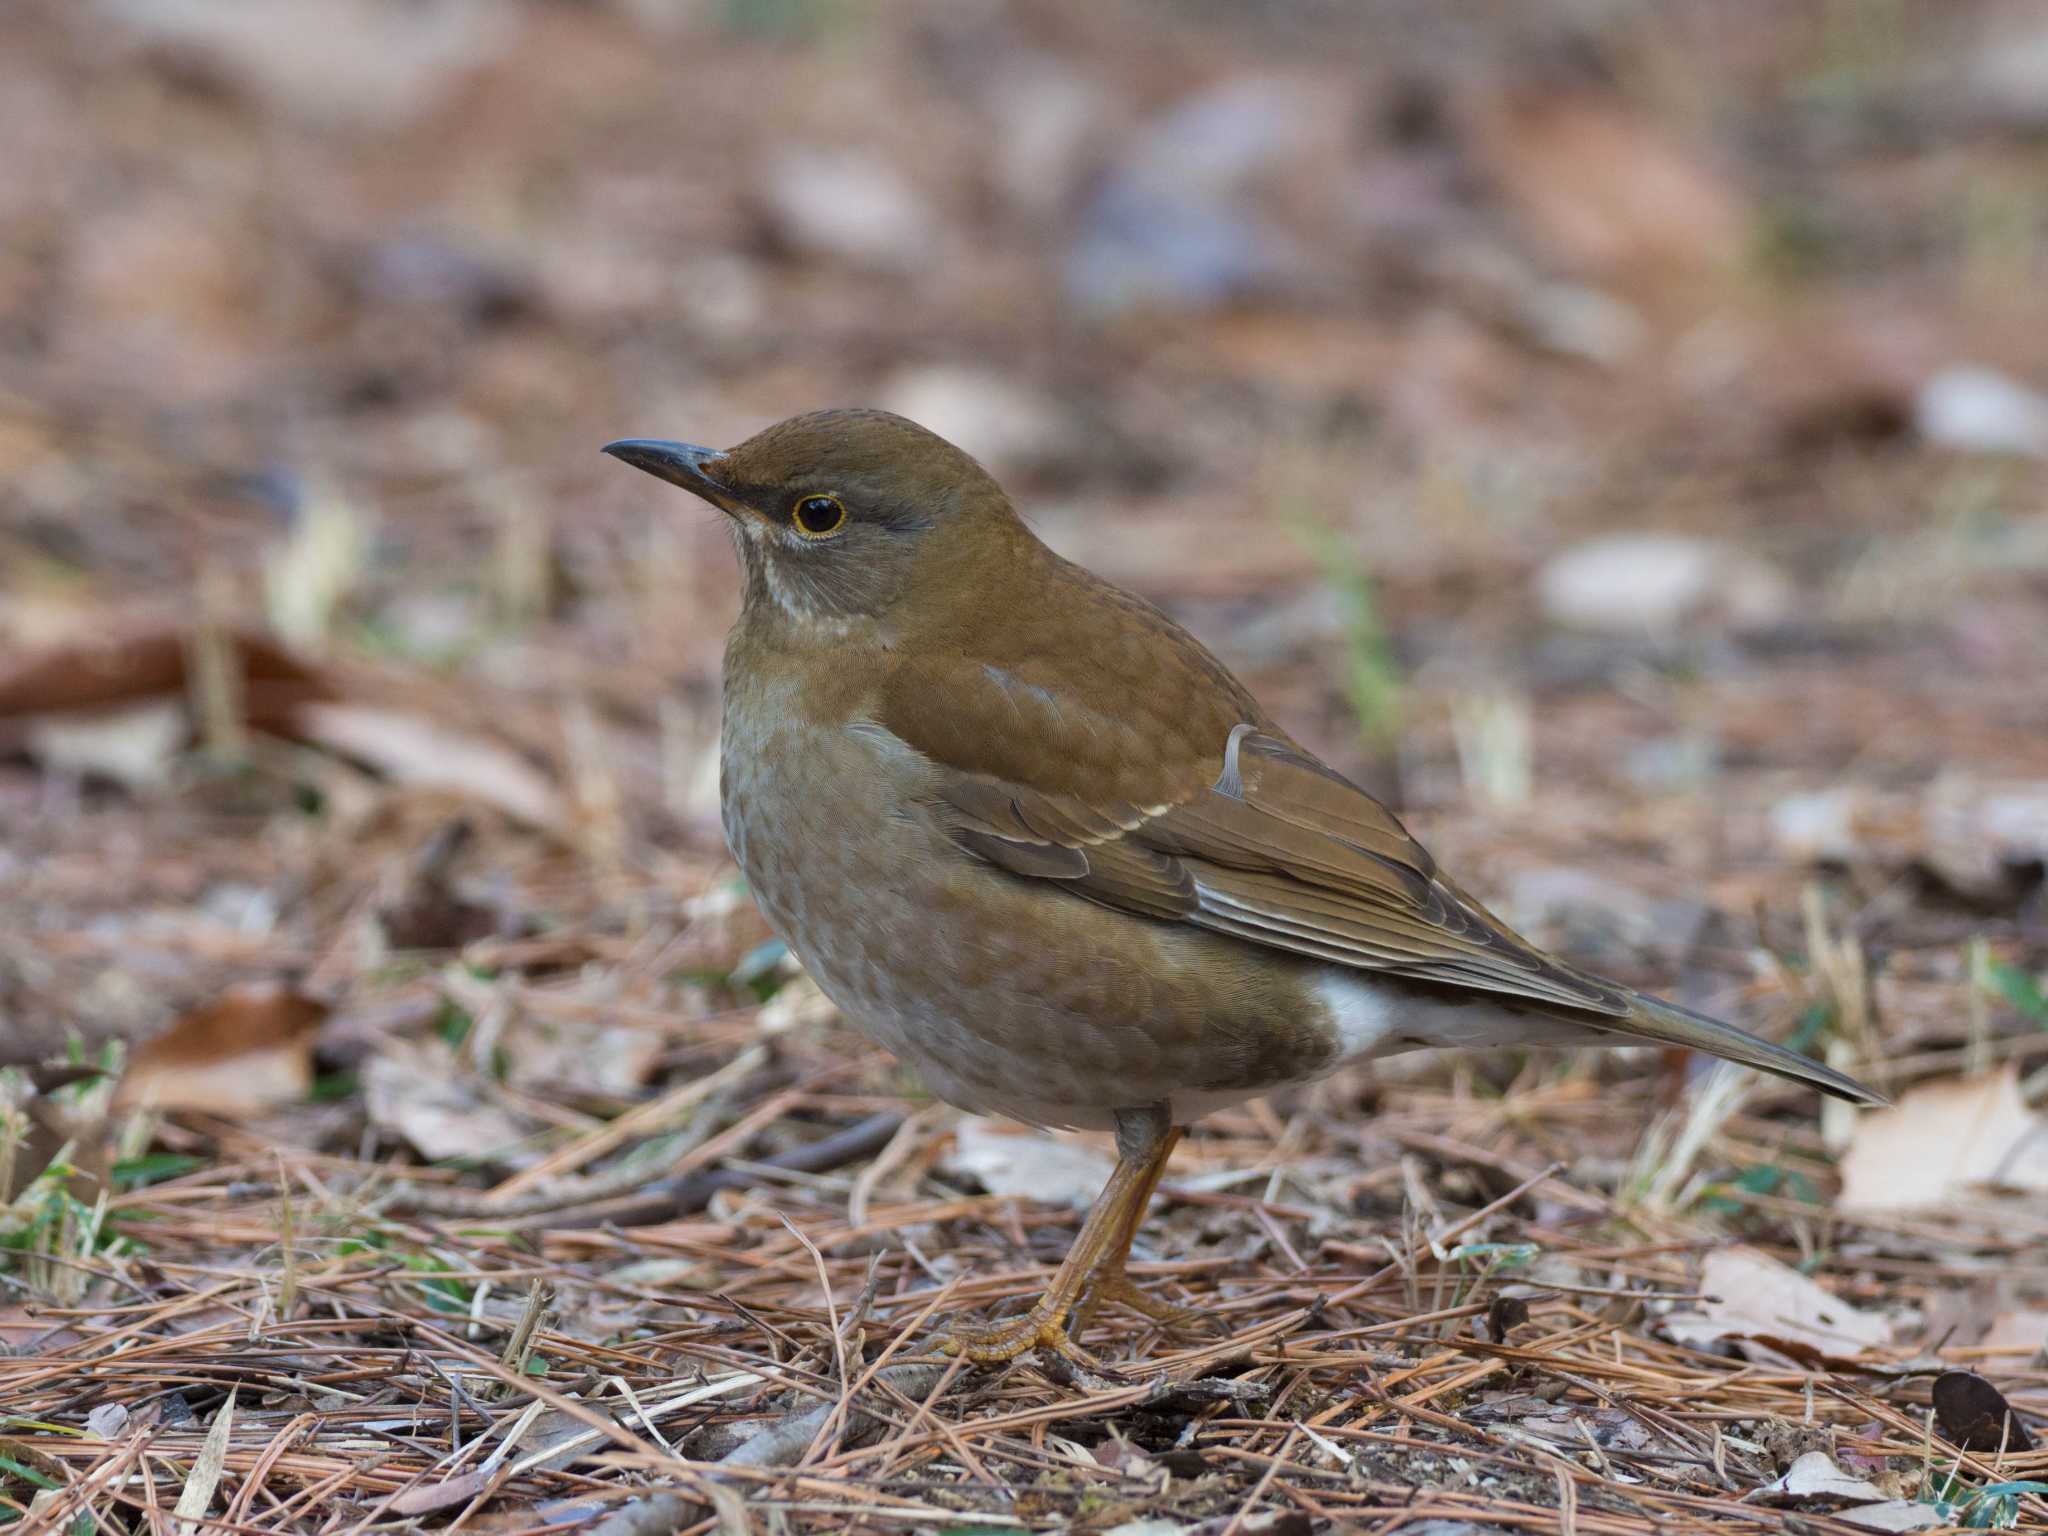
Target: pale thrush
x,y
1032,837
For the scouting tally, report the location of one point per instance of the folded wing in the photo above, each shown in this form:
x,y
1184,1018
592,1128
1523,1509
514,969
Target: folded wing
x,y
1255,838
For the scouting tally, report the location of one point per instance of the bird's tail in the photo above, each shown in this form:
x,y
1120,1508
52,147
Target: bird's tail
x,y
1654,1019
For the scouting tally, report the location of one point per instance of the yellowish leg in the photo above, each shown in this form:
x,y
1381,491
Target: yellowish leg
x,y
1111,1283
1144,1138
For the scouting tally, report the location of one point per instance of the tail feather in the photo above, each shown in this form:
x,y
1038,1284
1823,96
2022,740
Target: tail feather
x,y
1655,1019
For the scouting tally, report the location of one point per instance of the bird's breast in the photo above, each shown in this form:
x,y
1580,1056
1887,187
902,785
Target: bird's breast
x,y
1008,994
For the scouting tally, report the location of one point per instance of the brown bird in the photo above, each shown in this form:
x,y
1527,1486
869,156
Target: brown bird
x,y
1029,835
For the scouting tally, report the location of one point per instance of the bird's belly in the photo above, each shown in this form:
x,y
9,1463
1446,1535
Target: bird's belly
x,y
1008,995
1014,996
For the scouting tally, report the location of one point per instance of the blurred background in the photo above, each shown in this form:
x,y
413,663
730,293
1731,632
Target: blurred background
x,y
1614,432
1617,433
1616,424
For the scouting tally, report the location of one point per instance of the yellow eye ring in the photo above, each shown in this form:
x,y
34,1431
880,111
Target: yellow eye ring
x,y
817,517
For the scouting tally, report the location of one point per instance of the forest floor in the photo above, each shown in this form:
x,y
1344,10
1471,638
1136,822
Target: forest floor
x,y
1609,440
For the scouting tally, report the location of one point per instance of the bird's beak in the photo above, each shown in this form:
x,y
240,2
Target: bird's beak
x,y
683,464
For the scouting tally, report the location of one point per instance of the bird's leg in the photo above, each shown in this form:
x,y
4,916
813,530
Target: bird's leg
x,y
1144,1138
1111,1283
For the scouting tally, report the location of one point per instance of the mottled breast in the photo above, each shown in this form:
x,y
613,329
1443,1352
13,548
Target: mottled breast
x,y
1007,994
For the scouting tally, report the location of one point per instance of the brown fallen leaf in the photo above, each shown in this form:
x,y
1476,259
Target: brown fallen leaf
x,y
1767,1306
430,1498
558,1440
579,1056
122,701
22,1332
2022,1332
1975,1415
1976,835
1506,1314
411,749
1815,1479
134,747
249,1050
132,666
1058,1170
659,1514
1607,192
414,1089
1942,1139
1892,1515
197,1495
1815,1476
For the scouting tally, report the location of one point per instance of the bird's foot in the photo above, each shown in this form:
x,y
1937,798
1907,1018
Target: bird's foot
x,y
1176,1320
1043,1327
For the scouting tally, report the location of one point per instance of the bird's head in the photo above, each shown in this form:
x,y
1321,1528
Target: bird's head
x,y
840,516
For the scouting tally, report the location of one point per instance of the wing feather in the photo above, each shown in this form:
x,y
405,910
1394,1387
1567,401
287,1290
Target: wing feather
x,y
1253,838
1207,816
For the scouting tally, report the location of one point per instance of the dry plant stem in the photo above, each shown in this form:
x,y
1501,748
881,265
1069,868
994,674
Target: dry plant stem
x,y
641,1120
521,1341
689,1193
1145,1138
893,1156
431,1200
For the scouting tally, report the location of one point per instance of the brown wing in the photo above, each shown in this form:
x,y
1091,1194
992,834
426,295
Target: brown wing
x,y
1242,833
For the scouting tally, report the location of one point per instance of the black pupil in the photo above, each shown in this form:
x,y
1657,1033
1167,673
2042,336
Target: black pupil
x,y
818,514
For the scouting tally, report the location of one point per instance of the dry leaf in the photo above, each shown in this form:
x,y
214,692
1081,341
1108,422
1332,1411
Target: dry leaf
x,y
1008,1160
1608,192
659,1514
558,1440
1942,1138
446,1494
1975,1415
328,63
1978,831
1636,583
1815,1476
116,703
134,746
579,1056
197,1494
133,666
23,1332
1505,1315
410,749
1971,833
426,911
415,1090
248,1051
797,1004
1893,1515
1767,1306
2018,1331
1610,1428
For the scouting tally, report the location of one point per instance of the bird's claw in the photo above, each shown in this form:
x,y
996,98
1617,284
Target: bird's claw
x,y
1042,1327
1173,1319
1052,1328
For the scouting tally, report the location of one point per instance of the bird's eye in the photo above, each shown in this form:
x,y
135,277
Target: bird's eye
x,y
818,517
